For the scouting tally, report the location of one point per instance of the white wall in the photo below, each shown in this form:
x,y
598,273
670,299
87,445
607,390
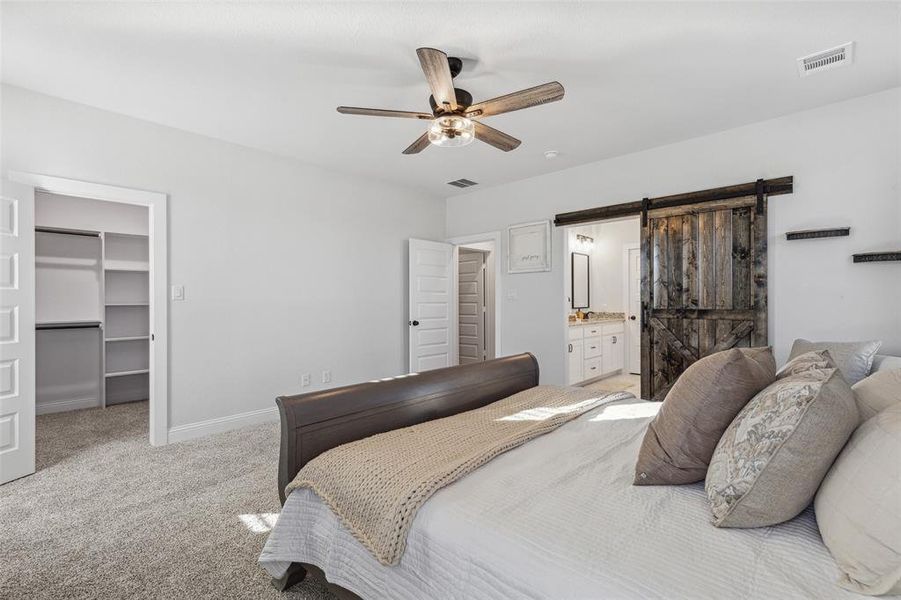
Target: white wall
x,y
606,294
845,160
287,268
55,210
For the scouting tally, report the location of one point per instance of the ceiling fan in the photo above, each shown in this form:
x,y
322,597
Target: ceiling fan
x,y
453,116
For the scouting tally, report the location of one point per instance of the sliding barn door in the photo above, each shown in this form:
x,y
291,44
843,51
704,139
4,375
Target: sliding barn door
x,y
704,285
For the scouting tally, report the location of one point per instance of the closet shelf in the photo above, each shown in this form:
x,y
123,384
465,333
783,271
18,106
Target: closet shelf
x,y
65,262
127,304
124,373
127,338
125,266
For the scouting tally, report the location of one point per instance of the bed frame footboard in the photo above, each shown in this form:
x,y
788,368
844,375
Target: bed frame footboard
x,y
315,422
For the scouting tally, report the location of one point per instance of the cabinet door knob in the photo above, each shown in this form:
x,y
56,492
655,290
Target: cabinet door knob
x,y
631,317
414,323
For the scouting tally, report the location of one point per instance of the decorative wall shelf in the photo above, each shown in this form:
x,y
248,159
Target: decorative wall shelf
x,y
810,234
894,255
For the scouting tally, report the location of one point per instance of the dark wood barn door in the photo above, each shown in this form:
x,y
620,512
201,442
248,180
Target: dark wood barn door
x,y
704,285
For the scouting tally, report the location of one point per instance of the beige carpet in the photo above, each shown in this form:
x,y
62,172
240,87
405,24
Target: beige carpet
x,y
108,516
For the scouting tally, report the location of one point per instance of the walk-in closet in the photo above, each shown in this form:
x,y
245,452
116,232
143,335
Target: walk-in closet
x,y
91,304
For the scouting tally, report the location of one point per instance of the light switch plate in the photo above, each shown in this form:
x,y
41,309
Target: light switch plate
x,y
178,292
326,377
305,380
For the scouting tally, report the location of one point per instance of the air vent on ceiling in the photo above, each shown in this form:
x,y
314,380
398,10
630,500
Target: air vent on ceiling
x,y
462,183
827,59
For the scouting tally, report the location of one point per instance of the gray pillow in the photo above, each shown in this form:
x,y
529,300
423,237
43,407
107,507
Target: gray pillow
x,y
853,359
680,441
773,456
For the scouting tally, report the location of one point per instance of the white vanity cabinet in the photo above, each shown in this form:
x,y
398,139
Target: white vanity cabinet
x,y
594,350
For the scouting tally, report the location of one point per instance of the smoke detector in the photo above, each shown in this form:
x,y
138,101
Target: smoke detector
x,y
832,58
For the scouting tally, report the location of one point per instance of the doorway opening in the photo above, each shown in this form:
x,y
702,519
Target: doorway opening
x,y
454,301
100,282
475,306
603,305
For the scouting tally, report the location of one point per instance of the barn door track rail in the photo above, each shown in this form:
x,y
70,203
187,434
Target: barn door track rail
x,y
759,189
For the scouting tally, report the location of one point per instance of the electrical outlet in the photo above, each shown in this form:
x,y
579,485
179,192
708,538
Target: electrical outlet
x,y
305,380
326,376
178,292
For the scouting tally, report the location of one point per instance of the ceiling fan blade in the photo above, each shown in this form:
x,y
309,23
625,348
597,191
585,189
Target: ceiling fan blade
x,y
381,112
421,143
438,75
492,136
540,94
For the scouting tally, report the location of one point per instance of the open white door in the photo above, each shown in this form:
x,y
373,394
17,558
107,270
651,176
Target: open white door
x,y
16,331
433,305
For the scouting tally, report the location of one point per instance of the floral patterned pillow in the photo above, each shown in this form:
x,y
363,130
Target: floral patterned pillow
x,y
817,360
773,456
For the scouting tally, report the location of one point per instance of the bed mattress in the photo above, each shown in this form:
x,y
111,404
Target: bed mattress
x,y
559,518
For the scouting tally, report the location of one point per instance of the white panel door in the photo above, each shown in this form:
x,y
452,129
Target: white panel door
x,y
633,321
16,331
472,307
433,305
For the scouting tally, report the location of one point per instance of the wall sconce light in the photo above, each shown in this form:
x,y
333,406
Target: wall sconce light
x,y
584,240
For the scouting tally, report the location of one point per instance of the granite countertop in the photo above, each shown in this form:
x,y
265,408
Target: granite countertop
x,y
599,318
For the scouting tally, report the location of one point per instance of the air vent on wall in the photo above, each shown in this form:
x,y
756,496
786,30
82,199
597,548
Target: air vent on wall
x,y
827,59
462,183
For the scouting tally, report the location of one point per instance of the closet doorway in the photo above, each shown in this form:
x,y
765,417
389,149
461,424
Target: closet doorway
x,y
100,298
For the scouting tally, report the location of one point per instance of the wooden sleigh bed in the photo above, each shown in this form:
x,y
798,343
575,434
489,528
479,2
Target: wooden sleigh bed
x,y
319,421
557,517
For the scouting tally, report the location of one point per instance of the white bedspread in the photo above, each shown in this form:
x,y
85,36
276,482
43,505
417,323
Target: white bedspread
x,y
559,518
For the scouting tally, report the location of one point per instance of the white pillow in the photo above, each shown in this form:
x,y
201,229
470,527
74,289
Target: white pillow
x,y
858,507
877,392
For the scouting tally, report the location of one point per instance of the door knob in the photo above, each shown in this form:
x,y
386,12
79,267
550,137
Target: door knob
x,y
414,323
631,317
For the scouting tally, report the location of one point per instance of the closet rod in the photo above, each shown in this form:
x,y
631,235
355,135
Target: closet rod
x,y
67,231
71,325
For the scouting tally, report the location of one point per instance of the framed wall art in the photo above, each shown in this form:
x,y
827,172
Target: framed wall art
x,y
529,247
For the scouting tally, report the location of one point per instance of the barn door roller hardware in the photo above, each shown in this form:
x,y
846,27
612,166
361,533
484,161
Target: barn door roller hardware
x,y
760,191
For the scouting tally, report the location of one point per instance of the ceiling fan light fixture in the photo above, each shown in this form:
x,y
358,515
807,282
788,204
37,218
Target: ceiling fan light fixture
x,y
452,130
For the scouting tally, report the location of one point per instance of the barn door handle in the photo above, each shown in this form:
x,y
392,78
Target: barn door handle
x,y
414,323
570,347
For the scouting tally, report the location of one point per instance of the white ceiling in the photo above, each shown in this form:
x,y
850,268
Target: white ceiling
x,y
269,76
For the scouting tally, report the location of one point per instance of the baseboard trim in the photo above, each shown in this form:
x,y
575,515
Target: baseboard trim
x,y
181,433
55,406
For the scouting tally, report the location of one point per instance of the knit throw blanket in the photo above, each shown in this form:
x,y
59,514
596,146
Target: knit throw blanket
x,y
376,485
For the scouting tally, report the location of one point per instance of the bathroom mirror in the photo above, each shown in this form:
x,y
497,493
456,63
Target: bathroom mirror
x,y
580,277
